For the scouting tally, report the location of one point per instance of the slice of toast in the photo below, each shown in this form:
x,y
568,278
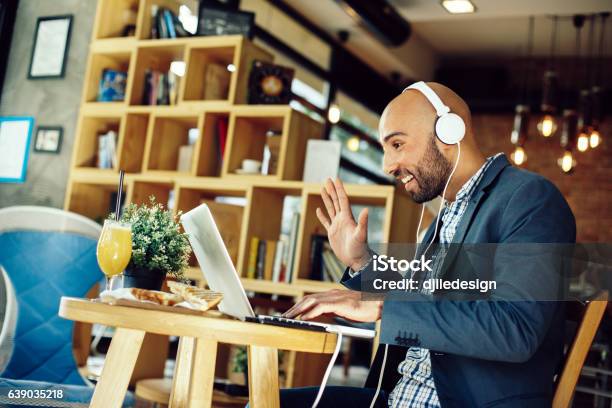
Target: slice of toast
x,y
202,299
156,296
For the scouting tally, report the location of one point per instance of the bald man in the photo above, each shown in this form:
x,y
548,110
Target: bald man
x,y
454,349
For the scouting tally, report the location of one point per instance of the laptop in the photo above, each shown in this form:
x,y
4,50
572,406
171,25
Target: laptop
x,y
221,276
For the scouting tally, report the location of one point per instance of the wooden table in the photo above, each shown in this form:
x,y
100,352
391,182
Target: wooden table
x,y
192,385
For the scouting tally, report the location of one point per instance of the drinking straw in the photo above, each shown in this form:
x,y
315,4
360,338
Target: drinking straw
x,y
119,192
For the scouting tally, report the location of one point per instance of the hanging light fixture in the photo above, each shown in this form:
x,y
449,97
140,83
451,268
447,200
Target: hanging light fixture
x,y
547,125
597,110
520,129
568,135
518,137
584,100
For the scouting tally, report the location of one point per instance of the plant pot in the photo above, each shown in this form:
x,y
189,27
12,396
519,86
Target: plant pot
x,y
143,278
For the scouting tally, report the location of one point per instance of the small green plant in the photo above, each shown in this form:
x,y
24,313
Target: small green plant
x,y
240,360
157,241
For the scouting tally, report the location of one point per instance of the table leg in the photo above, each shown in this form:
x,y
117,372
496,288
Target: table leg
x,y
194,373
179,396
203,373
263,377
118,366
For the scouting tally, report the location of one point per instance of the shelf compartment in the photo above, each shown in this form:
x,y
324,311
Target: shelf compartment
x,y
120,61
113,16
145,18
207,76
247,137
229,215
373,198
90,127
264,217
95,200
166,134
211,56
141,191
132,139
208,155
155,56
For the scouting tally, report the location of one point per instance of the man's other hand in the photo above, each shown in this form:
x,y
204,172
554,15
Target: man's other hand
x,y
348,239
344,303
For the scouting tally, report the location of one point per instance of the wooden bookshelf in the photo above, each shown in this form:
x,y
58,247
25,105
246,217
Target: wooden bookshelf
x,y
149,138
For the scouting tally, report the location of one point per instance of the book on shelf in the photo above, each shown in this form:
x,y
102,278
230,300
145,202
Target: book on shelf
x,y
112,85
166,24
261,259
252,265
324,265
316,256
107,150
293,236
221,140
269,260
279,259
160,88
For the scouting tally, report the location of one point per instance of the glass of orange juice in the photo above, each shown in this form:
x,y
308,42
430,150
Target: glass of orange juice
x,y
114,249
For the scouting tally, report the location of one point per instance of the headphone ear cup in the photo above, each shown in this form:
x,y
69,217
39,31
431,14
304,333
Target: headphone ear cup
x,y
450,128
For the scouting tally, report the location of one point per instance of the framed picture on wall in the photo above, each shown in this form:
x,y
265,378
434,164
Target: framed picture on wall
x,y
220,21
50,49
48,139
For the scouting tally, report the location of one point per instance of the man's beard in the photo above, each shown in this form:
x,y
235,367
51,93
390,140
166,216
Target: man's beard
x,y
431,174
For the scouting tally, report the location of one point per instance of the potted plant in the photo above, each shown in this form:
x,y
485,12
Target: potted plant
x,y
158,246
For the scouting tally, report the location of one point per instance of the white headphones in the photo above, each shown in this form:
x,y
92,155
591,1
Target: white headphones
x,y
449,127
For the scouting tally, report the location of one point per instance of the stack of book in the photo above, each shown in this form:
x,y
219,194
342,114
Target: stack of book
x,y
324,266
160,88
107,150
273,260
165,24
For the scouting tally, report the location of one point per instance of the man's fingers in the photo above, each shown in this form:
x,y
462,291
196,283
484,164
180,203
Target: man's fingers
x,y
318,310
323,219
343,200
300,307
362,225
329,205
331,190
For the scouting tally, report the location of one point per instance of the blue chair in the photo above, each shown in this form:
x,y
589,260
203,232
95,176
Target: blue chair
x,y
43,266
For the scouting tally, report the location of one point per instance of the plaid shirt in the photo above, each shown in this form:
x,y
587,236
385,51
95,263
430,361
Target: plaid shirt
x,y
416,388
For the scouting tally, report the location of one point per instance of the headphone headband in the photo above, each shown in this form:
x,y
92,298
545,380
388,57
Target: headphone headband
x,y
431,96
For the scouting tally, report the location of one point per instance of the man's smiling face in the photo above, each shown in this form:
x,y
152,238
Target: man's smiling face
x,y
411,152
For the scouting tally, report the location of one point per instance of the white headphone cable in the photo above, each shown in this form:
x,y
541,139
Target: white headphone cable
x,y
444,195
384,361
329,366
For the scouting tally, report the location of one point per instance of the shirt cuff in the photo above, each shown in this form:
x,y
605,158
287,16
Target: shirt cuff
x,y
365,266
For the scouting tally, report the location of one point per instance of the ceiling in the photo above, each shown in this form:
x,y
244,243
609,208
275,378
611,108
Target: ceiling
x,y
498,29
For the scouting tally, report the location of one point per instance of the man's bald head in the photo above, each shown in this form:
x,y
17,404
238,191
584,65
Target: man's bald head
x,y
412,153
412,106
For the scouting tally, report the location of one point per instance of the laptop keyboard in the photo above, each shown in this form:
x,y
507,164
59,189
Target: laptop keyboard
x,y
284,322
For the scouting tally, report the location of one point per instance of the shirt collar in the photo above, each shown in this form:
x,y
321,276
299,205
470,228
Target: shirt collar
x,y
465,192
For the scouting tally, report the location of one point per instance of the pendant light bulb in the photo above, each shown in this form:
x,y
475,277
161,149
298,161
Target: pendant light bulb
x,y
567,162
594,139
582,144
547,126
519,156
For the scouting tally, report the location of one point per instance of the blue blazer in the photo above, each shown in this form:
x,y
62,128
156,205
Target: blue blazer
x,y
503,351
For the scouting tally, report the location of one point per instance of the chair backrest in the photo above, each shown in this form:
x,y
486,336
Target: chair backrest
x,y
8,318
589,318
35,218
44,266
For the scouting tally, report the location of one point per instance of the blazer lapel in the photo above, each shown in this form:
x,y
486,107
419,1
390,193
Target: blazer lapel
x,y
466,220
